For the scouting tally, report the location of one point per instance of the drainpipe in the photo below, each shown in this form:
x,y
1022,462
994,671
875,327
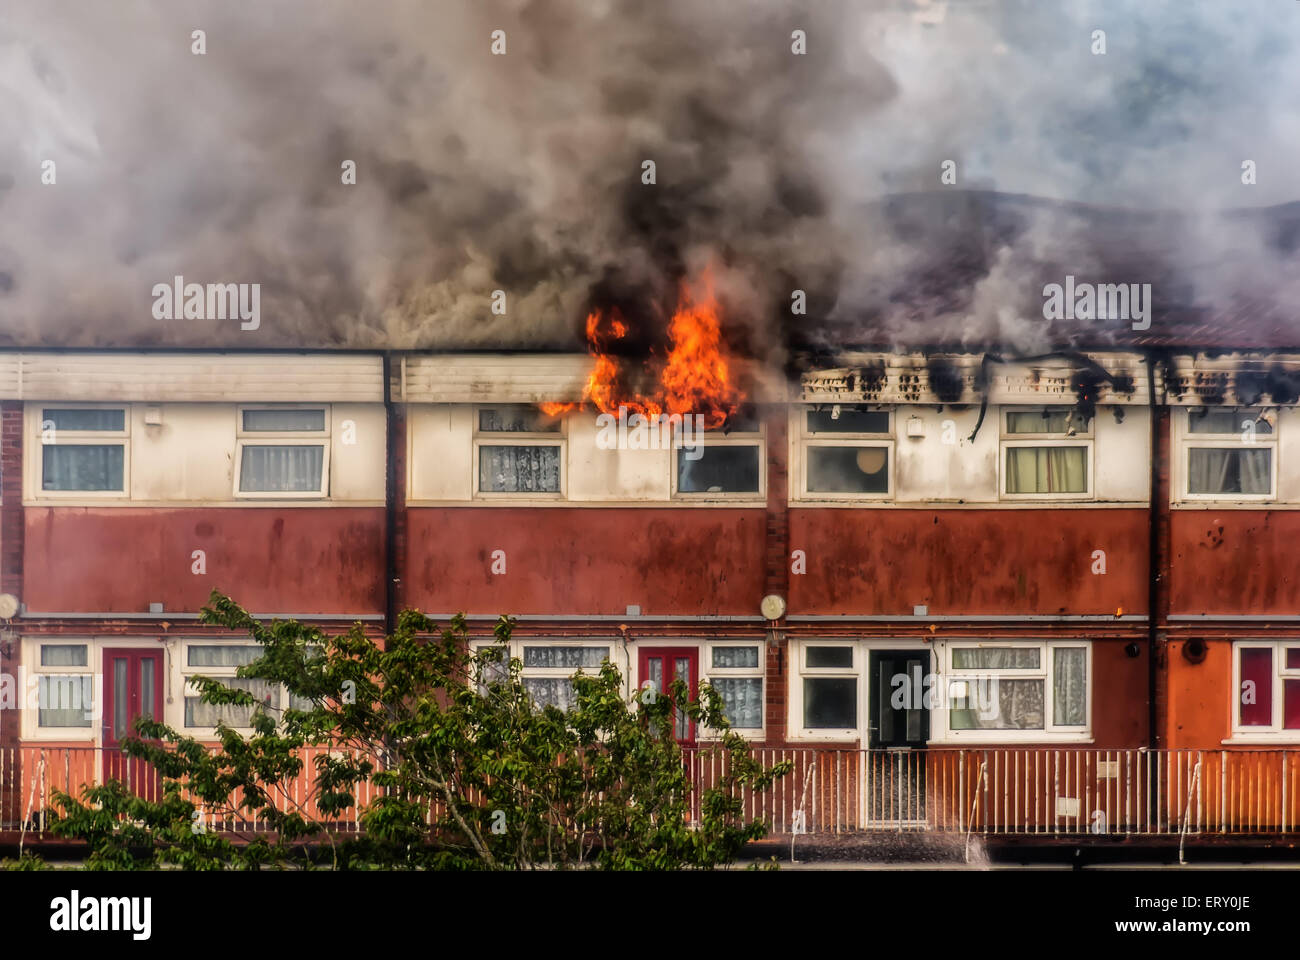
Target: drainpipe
x,y
391,441
1156,560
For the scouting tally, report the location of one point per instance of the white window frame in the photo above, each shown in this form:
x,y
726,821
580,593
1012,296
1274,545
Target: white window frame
x,y
83,438
217,673
503,438
1274,732
809,438
1009,440
515,651
717,438
708,673
1226,441
38,670
282,438
941,732
800,671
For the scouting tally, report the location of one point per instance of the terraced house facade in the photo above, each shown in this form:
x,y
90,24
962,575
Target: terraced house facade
x,y
1028,595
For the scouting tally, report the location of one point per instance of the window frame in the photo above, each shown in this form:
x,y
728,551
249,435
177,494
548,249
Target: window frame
x,y
518,438
1008,440
886,440
717,438
801,671
514,650
1220,441
282,438
1274,732
708,673
83,438
941,730
40,670
217,673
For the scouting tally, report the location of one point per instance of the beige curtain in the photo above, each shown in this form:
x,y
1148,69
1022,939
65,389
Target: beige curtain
x,y
1047,469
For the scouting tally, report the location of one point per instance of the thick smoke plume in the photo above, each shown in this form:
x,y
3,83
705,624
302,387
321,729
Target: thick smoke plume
x,y
523,172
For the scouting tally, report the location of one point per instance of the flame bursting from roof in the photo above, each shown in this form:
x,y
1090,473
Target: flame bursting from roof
x,y
695,377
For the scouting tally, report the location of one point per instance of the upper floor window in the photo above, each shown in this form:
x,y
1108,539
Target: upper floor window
x,y
1267,679
1231,454
282,452
848,452
720,462
518,451
84,450
1047,454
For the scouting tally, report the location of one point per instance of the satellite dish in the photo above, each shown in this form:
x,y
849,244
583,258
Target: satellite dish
x,y
772,607
8,606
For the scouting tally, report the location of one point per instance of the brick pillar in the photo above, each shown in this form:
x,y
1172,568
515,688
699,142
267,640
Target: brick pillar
x,y
11,581
1161,565
395,591
776,563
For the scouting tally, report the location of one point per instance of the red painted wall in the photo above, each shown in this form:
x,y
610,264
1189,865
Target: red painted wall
x,y
1235,562
1014,562
1200,695
119,559
698,561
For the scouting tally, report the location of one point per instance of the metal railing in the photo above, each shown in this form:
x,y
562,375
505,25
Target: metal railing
x,y
999,791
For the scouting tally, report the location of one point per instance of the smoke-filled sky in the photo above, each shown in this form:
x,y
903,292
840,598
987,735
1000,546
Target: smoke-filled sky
x,y
523,171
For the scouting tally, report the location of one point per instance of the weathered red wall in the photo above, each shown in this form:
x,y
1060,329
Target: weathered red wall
x,y
1200,696
1014,562
583,561
1235,562
119,559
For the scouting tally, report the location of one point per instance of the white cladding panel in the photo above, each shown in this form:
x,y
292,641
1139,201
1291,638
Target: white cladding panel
x,y
192,377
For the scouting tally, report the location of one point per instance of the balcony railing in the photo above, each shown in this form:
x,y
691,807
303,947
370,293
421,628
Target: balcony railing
x,y
1003,791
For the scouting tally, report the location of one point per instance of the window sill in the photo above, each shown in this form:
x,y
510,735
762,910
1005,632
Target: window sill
x,y
1275,740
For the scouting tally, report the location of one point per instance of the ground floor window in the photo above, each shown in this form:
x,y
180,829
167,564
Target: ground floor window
x,y
548,668
1031,687
1267,684
735,670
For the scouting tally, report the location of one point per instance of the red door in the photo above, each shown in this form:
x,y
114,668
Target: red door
x,y
133,682
656,663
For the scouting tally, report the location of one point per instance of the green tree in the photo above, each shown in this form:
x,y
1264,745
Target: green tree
x,y
440,753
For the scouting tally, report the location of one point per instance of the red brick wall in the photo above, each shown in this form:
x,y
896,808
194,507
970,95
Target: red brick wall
x,y
11,581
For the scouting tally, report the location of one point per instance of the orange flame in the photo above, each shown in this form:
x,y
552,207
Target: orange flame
x,y
695,377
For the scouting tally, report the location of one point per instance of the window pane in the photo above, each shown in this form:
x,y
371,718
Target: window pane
x,y
227,655
493,666
848,469
996,658
830,703
743,697
724,469
1291,704
850,420
1069,687
91,466
1230,470
287,469
1047,469
1256,693
552,691
146,688
516,419
63,655
1227,421
114,420
1293,658
999,703
830,657
519,469
65,701
1044,421
283,420
735,657
200,714
120,697
570,657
